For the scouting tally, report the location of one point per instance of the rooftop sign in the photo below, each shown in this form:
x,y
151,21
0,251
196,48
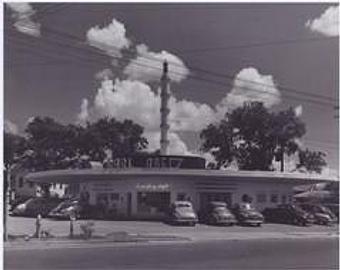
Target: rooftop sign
x,y
153,161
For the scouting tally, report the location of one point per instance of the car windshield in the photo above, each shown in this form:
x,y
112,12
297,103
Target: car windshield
x,y
183,205
221,209
297,208
246,207
66,204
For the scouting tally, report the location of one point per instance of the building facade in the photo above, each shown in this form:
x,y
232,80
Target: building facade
x,y
144,187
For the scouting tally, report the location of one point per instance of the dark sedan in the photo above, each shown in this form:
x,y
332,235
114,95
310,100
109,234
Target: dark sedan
x,y
217,213
289,214
246,214
322,214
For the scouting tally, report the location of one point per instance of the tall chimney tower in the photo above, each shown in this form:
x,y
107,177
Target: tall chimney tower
x,y
165,94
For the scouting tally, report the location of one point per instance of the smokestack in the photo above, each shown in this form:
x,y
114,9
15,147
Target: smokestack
x,y
165,94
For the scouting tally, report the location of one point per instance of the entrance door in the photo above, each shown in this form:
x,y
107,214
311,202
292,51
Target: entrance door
x,y
129,204
153,204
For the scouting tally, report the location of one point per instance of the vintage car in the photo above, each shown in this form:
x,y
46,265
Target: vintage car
x,y
246,214
181,212
289,214
66,210
322,214
217,213
35,206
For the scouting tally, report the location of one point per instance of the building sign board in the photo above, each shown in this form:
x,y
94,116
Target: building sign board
x,y
153,161
153,187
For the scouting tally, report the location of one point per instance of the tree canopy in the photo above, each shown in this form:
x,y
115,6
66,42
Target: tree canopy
x,y
52,145
312,161
253,136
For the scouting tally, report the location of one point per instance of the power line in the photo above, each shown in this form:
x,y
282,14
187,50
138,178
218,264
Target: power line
x,y
220,75
224,84
97,51
224,76
254,45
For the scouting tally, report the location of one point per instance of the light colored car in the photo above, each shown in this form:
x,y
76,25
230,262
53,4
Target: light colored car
x,y
182,212
34,206
67,209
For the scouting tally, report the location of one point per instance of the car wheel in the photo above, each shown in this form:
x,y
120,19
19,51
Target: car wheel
x,y
258,224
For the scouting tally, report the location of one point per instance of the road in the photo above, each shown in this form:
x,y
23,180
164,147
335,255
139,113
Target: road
x,y
272,254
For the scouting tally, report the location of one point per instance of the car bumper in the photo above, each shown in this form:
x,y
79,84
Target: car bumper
x,y
252,221
225,221
184,221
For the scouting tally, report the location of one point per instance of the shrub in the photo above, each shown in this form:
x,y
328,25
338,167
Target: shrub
x,y
87,229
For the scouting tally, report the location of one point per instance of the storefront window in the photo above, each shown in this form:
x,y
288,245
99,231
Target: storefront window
x,y
261,198
153,202
274,198
181,196
114,196
283,199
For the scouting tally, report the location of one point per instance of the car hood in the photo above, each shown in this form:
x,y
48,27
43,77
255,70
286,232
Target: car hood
x,y
251,214
20,208
323,216
224,214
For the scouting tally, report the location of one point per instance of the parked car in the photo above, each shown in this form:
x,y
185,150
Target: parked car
x,y
217,213
66,210
322,214
182,212
34,206
288,213
246,214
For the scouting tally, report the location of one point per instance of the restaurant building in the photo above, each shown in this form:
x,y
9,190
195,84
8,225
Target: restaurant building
x,y
143,187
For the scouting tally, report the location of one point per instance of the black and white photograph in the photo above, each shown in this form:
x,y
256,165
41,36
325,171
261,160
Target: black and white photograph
x,y
170,135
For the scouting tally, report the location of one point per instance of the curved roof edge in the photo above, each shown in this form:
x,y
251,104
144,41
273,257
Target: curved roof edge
x,y
82,175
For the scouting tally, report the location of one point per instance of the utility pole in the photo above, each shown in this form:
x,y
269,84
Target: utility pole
x,y
7,187
165,95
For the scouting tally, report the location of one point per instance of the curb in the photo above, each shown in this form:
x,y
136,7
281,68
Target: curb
x,y
136,239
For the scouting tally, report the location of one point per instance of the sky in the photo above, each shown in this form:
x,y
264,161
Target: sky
x,y
78,62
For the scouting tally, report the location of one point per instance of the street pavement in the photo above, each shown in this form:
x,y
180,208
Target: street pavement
x,y
264,254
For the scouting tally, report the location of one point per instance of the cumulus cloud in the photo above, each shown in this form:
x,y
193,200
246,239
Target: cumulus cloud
x,y
126,99
10,127
250,85
147,66
22,14
135,100
111,39
104,74
176,145
328,22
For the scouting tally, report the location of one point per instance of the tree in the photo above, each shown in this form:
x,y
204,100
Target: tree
x,y
312,161
58,146
107,134
50,143
14,146
286,128
252,136
218,139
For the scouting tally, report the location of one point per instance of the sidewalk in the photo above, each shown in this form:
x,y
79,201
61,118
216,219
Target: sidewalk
x,y
137,239
139,232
